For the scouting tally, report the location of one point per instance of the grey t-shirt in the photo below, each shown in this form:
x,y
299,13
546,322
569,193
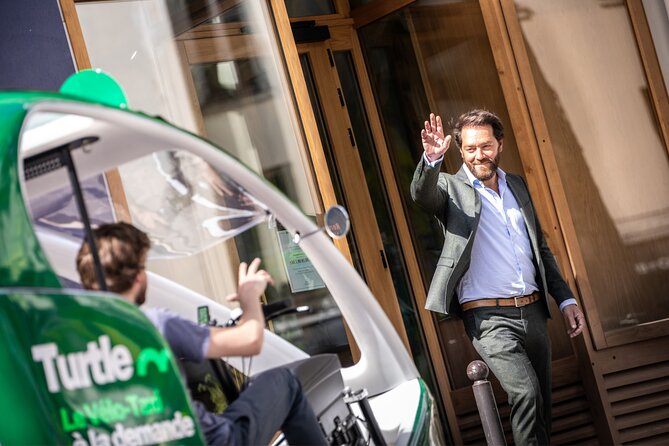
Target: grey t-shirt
x,y
187,339
190,341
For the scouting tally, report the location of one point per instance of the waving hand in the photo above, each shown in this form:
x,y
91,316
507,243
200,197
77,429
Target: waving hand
x,y
432,136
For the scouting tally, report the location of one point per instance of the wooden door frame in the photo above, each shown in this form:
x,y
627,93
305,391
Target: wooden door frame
x,y
426,318
529,150
349,167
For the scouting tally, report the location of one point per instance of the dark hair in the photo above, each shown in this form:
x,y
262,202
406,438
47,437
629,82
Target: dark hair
x,y
478,118
122,249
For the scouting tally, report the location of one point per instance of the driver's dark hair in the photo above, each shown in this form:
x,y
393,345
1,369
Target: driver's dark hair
x,y
478,118
122,249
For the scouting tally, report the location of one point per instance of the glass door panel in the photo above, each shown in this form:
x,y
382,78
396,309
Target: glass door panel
x,y
447,66
610,154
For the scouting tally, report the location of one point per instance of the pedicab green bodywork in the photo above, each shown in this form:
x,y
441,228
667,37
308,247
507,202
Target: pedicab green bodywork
x,y
88,368
82,368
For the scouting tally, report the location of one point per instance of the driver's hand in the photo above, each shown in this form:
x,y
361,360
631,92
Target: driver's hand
x,y
252,283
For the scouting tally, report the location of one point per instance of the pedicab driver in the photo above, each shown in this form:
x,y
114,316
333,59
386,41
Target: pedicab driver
x,y
274,399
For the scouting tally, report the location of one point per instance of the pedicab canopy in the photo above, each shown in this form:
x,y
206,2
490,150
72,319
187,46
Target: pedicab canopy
x,y
80,368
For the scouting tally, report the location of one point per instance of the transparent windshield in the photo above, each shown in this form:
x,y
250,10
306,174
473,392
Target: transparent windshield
x,y
202,225
181,202
178,199
184,205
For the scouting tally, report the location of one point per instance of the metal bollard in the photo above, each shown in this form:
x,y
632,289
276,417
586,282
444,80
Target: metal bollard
x,y
477,371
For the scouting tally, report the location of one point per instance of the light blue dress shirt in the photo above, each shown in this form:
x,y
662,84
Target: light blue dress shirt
x,y
501,260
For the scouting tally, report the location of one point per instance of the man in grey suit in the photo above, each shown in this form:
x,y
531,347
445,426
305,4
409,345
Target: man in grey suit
x,y
495,268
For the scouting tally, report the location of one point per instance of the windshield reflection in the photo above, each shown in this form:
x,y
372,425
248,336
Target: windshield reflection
x,y
184,205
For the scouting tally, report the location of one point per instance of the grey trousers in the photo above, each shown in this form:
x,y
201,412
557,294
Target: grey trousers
x,y
514,343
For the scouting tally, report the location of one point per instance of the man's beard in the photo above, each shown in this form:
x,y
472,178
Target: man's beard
x,y
483,171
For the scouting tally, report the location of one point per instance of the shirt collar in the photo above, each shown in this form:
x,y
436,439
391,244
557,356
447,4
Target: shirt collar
x,y
477,184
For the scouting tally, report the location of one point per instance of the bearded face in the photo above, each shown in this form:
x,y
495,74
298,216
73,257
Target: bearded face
x,y
484,169
481,152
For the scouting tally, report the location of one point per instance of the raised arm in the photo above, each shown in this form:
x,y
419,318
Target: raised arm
x,y
424,186
245,338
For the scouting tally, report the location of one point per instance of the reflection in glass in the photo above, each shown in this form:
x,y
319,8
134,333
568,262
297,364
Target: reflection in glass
x,y
58,210
189,211
185,205
240,103
609,151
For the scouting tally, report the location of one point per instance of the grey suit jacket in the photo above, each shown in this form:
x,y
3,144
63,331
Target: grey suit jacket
x,y
457,206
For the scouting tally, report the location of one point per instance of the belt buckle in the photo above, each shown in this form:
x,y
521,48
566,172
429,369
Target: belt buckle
x,y
516,301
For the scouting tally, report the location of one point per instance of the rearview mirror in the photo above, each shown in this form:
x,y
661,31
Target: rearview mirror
x,y
337,222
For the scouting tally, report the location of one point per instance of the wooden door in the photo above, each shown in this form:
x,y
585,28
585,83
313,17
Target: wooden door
x,y
342,143
448,58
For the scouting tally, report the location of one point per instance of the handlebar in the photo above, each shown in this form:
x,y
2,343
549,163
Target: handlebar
x,y
270,311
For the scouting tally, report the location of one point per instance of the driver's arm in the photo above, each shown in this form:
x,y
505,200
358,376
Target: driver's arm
x,y
246,338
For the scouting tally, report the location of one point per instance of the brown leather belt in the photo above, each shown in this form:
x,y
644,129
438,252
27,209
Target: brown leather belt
x,y
518,301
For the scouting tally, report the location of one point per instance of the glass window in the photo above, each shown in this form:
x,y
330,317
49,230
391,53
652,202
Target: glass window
x,y
222,76
133,42
609,151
